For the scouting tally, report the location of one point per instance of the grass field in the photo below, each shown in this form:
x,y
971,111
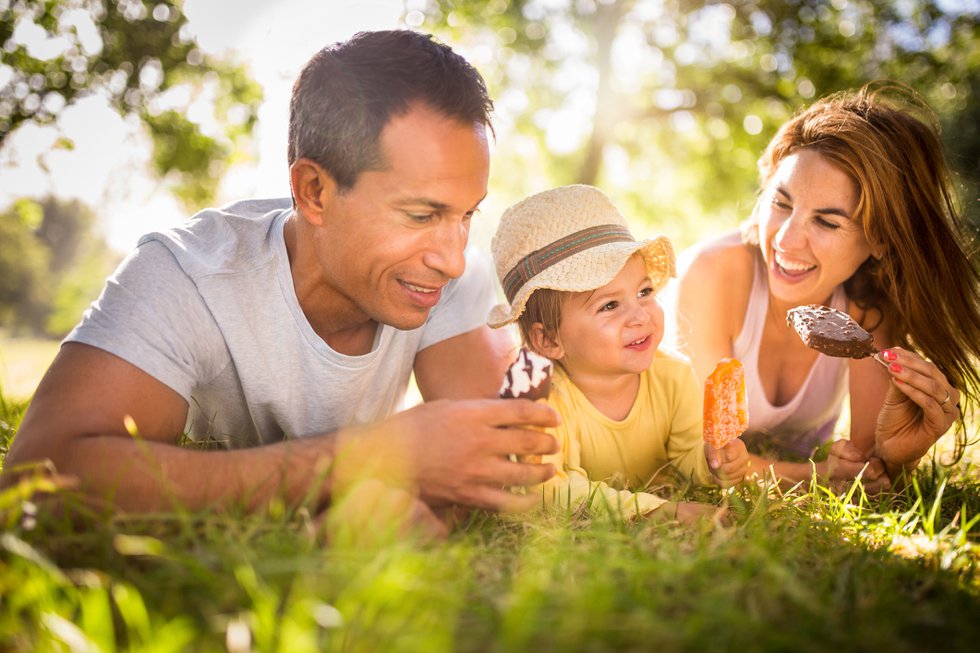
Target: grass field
x,y
806,570
23,362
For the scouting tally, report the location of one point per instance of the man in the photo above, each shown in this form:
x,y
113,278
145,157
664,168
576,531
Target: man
x,y
287,330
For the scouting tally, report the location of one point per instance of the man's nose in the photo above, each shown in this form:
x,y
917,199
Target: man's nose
x,y
446,250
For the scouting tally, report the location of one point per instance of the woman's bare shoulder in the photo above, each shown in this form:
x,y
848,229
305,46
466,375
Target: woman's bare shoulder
x,y
712,293
724,257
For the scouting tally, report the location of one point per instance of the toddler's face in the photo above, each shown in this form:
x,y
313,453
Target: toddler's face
x,y
614,329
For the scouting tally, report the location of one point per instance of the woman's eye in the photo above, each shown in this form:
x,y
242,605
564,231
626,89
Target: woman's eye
x,y
780,205
827,224
608,306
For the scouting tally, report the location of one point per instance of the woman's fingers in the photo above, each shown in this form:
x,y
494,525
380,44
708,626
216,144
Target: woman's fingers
x,y
926,384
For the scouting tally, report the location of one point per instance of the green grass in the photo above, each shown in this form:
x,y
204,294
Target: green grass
x,y
804,570
22,363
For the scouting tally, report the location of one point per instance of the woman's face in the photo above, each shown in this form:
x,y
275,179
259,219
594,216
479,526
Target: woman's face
x,y
808,231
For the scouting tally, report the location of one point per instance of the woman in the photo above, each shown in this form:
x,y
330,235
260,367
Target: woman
x,y
856,211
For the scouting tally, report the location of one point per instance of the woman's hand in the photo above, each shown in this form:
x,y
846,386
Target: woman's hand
x,y
845,462
920,407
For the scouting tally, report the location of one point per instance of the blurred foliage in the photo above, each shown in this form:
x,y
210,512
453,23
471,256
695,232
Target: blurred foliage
x,y
52,264
141,57
684,94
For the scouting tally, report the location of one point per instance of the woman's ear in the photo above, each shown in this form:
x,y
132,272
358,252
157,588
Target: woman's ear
x,y
313,188
545,344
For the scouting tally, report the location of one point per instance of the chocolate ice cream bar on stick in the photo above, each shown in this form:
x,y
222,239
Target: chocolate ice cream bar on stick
x,y
830,331
528,377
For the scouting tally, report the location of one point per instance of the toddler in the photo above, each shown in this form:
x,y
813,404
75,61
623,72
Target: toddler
x,y
583,292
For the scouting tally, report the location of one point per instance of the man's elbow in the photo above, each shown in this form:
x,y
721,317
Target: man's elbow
x,y
32,455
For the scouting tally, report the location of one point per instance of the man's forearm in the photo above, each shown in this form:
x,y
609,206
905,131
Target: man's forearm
x,y
135,475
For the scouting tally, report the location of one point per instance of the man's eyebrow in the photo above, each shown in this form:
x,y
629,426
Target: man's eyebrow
x,y
424,201
829,210
433,204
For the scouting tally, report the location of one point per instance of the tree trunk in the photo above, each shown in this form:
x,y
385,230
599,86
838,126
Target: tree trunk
x,y
606,24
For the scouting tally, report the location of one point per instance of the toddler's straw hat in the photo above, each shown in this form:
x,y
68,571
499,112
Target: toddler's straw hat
x,y
568,238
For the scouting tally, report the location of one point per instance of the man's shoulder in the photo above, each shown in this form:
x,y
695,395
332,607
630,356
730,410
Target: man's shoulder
x,y
219,240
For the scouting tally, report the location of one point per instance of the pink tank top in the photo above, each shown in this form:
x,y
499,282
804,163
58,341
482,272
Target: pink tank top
x,y
808,419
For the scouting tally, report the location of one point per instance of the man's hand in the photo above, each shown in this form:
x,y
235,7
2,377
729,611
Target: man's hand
x,y
455,452
729,464
372,514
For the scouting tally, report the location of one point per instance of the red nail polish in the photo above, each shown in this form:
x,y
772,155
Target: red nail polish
x,y
895,367
889,355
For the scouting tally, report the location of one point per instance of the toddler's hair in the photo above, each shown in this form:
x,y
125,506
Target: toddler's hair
x,y
544,306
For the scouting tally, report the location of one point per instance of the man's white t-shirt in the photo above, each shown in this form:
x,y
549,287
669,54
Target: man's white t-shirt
x,y
209,309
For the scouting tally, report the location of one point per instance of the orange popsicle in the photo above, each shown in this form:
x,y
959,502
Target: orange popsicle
x,y
726,412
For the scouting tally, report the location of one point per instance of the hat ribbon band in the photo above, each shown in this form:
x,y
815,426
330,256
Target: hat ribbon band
x,y
542,259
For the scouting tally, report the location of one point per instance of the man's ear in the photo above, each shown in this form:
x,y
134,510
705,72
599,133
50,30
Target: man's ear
x,y
313,189
544,344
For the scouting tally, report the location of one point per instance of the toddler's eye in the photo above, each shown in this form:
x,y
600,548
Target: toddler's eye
x,y
646,292
608,306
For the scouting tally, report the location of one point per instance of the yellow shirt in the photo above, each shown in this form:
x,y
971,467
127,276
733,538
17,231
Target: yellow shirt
x,y
604,460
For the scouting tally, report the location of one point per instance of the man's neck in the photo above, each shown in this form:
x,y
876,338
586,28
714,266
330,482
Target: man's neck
x,y
338,321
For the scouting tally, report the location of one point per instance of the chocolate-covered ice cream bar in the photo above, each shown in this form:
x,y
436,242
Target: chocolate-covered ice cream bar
x,y
528,377
830,331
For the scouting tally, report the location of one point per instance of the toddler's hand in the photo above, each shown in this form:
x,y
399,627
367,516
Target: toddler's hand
x,y
729,464
691,512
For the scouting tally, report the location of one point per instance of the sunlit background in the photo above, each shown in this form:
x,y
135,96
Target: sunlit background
x,y
107,169
665,104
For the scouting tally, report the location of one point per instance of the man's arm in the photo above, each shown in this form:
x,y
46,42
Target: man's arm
x,y
469,365
450,452
77,420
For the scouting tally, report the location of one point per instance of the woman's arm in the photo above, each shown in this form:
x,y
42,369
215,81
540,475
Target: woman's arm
x,y
880,411
842,466
868,382
712,292
920,406
867,385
